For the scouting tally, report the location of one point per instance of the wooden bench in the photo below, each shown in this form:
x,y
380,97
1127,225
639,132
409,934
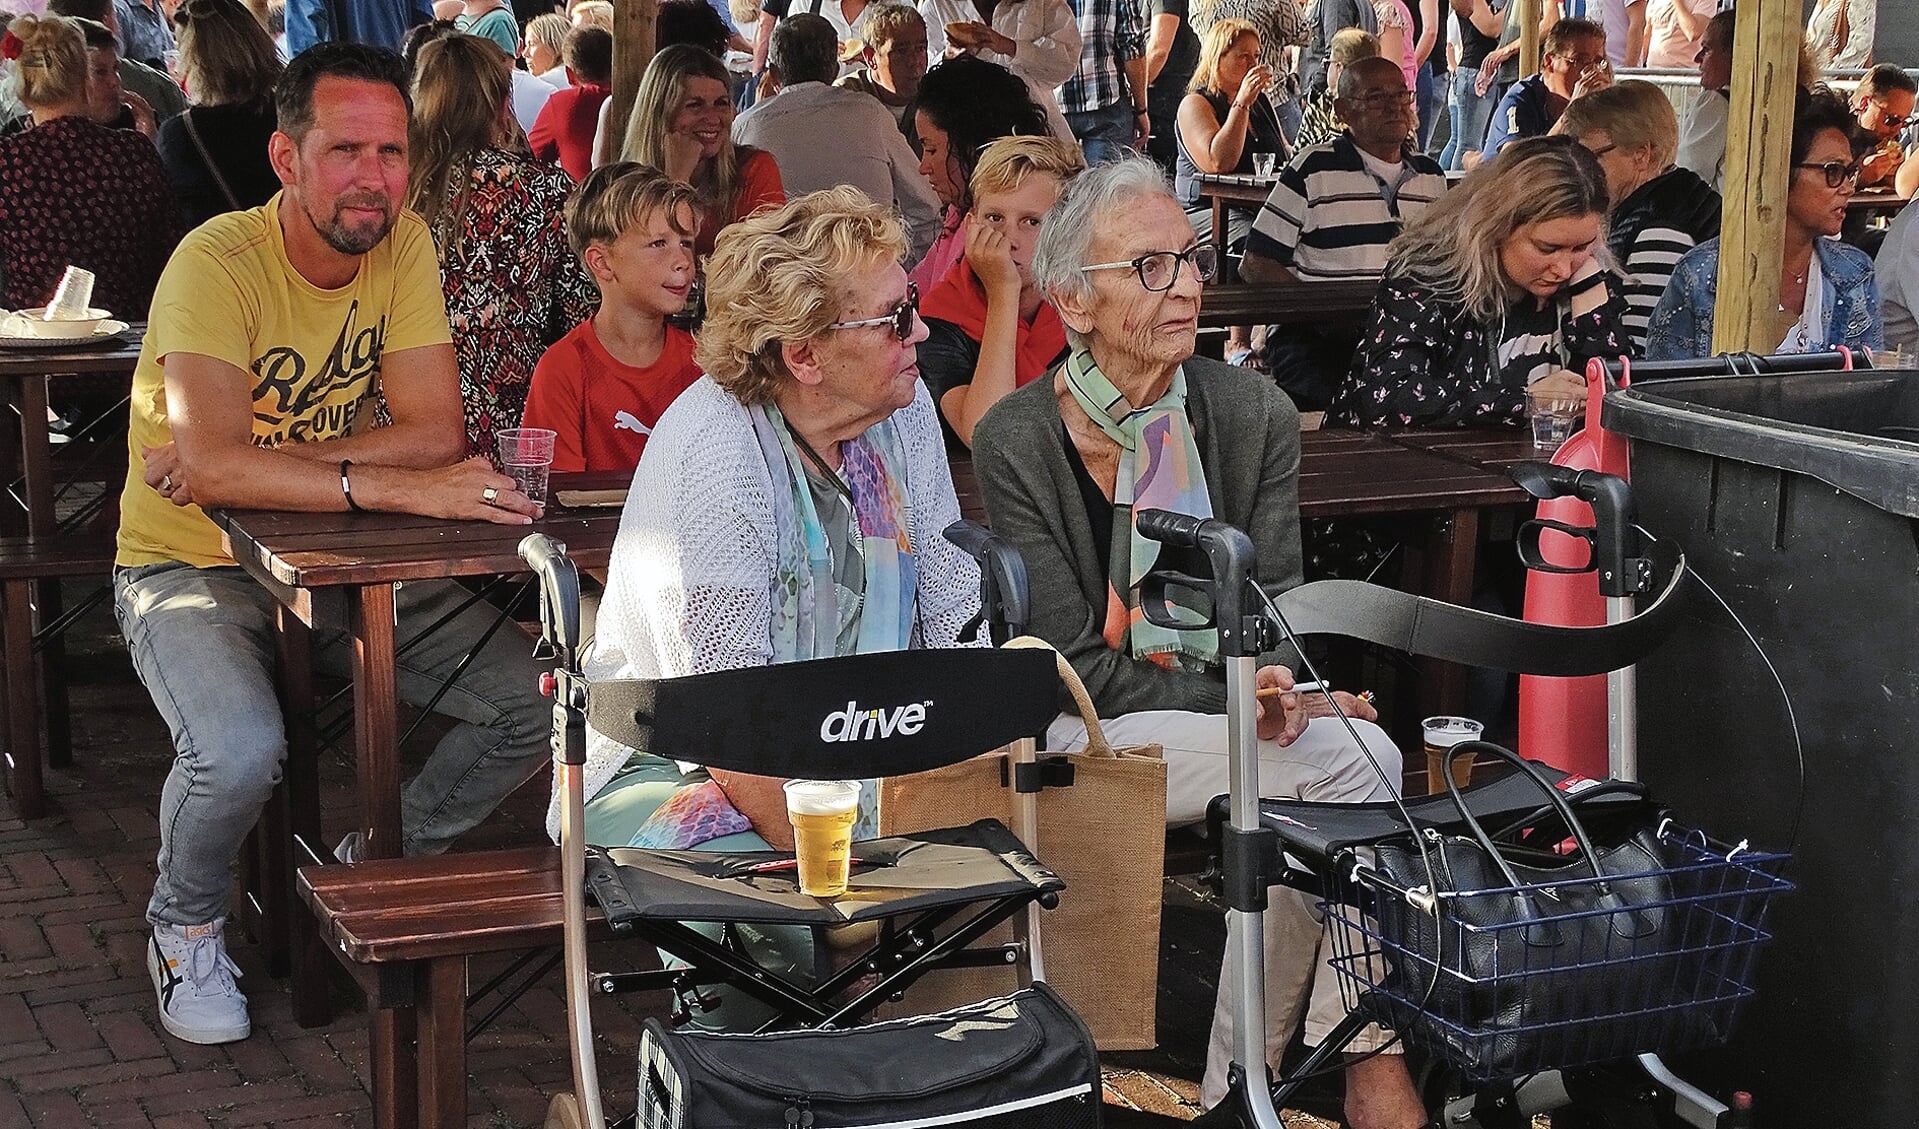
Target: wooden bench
x,y
36,693
405,929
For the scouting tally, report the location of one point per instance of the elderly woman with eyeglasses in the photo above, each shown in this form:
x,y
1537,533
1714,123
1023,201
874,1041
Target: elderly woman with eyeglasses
x,y
1132,420
1828,296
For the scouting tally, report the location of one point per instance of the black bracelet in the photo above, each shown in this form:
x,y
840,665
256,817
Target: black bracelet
x,y
346,487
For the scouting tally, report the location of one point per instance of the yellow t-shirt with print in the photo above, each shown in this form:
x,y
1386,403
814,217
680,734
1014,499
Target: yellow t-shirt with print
x,y
229,293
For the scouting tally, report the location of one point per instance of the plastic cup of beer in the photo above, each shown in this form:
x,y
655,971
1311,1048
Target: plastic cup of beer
x,y
526,454
1442,734
822,812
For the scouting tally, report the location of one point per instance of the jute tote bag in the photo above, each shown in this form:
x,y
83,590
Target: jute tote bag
x,y
1099,822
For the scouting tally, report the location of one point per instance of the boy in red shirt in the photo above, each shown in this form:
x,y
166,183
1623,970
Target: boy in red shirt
x,y
603,386
563,132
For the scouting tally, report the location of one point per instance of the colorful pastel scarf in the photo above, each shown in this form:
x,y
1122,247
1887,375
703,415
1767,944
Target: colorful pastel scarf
x,y
1158,470
806,612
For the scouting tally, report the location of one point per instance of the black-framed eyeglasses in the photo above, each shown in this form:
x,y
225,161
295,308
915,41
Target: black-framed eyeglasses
x,y
900,317
1159,270
1887,117
1836,172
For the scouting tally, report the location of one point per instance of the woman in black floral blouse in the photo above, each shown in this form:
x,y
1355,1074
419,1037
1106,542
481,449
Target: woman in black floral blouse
x,y
1501,289
513,286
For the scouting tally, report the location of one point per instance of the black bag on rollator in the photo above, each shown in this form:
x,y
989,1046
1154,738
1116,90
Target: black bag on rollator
x,y
1023,1061
1553,938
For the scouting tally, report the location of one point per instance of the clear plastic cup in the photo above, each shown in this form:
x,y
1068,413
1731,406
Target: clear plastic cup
x,y
822,813
526,455
1441,735
1552,422
73,300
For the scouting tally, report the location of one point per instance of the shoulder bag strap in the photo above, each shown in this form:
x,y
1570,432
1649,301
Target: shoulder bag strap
x,y
193,134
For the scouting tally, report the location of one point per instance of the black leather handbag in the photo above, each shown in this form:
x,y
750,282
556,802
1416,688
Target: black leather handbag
x,y
1534,954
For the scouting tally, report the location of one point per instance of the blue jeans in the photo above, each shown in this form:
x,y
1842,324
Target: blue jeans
x,y
1107,133
1426,101
1471,114
203,643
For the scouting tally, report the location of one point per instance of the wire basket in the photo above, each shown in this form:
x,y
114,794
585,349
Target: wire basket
x,y
1499,996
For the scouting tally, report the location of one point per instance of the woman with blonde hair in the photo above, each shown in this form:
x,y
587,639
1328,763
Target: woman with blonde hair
x,y
789,507
1659,211
72,191
990,329
1226,120
1499,290
682,124
216,152
513,285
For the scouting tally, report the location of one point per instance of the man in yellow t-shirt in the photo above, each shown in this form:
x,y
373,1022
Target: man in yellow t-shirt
x,y
269,334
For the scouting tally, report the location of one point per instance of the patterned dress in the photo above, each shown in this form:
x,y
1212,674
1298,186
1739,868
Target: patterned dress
x,y
513,286
74,193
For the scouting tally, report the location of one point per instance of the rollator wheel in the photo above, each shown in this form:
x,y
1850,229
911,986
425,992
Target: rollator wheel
x,y
563,1112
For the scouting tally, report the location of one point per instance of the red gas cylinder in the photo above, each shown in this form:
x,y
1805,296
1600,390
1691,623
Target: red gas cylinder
x,y
1562,721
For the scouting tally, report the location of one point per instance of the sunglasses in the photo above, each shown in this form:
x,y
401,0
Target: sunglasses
x,y
1837,172
900,317
1159,270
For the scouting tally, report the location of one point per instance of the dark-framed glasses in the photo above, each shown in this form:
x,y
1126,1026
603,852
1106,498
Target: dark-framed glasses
x,y
900,317
1384,99
1159,270
1836,172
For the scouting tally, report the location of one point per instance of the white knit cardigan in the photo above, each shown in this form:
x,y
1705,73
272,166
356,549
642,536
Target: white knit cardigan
x,y
689,587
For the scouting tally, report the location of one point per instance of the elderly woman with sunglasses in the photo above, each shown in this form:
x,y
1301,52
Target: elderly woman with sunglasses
x,y
1134,420
1828,296
789,505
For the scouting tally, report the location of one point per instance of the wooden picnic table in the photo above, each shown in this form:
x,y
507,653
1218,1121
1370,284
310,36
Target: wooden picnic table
x,y
1872,202
298,555
26,456
1224,190
1345,302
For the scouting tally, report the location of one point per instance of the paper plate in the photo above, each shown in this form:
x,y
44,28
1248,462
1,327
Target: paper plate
x,y
107,331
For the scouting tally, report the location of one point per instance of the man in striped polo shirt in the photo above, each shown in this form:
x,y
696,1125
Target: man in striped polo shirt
x,y
1339,204
1331,215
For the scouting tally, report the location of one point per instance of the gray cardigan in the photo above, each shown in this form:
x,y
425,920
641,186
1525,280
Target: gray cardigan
x,y
1247,432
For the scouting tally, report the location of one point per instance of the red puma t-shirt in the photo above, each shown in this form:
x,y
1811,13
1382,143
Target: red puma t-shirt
x,y
602,409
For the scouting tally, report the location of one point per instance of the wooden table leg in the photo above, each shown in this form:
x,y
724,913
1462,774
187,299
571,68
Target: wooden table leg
x,y
1450,558
307,959
13,519
23,703
36,468
375,720
441,1023
395,1069
1219,238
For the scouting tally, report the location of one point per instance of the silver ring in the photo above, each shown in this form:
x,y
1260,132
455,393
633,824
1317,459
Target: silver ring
x,y
166,484
489,494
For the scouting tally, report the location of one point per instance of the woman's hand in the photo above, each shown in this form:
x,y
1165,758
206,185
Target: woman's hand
x,y
1558,387
991,257
682,155
1256,82
1283,717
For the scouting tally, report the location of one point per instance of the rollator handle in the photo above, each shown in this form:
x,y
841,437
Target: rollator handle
x,y
1617,556
1005,607
1243,631
559,598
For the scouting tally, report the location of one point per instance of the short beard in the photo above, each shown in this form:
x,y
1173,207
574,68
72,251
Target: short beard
x,y
346,240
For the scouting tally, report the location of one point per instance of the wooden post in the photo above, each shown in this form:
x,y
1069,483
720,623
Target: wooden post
x,y
1528,13
1765,76
632,51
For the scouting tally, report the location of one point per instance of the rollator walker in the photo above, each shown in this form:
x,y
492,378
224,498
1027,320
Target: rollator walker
x,y
924,897
1514,998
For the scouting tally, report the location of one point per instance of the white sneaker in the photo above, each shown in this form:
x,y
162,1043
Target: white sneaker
x,y
193,979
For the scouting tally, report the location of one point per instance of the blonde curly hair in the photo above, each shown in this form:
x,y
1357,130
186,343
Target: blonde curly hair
x,y
781,275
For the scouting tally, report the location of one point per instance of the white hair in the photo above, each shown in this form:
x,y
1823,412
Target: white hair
x,y
1066,237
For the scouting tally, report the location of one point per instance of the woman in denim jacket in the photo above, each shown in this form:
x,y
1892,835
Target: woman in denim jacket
x,y
1827,294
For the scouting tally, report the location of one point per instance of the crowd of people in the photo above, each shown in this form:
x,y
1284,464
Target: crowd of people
x,y
800,271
